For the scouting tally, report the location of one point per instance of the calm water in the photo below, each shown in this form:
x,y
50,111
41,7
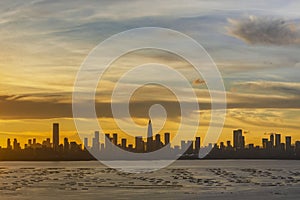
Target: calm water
x,y
194,179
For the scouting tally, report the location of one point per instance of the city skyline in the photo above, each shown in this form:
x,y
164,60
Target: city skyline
x,y
272,147
151,142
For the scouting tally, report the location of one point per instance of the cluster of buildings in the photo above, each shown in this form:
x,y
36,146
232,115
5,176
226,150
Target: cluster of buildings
x,y
46,144
141,145
271,147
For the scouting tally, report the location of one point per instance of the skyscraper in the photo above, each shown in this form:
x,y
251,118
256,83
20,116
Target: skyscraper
x,y
197,144
158,144
16,144
86,143
190,147
8,146
264,142
288,143
277,140
96,142
107,142
237,139
139,144
272,139
66,144
242,144
124,143
55,136
115,139
149,132
149,145
167,138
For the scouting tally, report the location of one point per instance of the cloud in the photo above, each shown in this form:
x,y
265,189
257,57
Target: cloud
x,y
39,108
264,31
269,87
273,118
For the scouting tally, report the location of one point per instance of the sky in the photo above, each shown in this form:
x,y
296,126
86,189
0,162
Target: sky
x,y
255,46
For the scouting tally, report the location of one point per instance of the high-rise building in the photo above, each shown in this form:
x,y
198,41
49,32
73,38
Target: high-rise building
x,y
96,142
107,142
29,142
242,142
190,147
149,144
115,139
149,132
16,144
237,139
158,143
55,136
8,146
66,144
167,138
288,143
139,146
272,140
264,142
124,143
197,144
297,147
86,143
277,140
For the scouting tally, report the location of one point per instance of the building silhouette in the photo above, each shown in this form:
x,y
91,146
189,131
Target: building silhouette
x,y
96,142
167,138
149,146
55,136
270,148
86,143
238,139
272,140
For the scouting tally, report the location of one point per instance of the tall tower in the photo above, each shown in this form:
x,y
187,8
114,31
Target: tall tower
x,y
272,139
167,138
8,144
66,144
149,137
55,136
96,142
288,143
237,139
197,144
115,139
86,143
277,140
149,133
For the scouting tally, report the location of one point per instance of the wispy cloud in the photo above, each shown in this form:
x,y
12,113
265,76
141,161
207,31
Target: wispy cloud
x,y
269,87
